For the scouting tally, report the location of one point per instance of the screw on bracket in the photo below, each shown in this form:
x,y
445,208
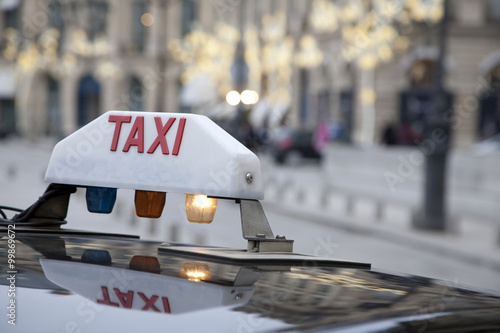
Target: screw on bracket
x,y
249,178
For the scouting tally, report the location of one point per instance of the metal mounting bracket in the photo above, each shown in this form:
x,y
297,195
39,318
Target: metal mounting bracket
x,y
257,231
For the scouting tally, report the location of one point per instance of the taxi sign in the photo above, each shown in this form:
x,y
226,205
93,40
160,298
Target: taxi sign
x,y
128,289
151,151
156,153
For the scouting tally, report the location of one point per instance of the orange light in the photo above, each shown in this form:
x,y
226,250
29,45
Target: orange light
x,y
200,208
145,264
195,272
149,203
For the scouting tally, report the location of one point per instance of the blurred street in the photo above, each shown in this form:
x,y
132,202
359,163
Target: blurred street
x,y
390,244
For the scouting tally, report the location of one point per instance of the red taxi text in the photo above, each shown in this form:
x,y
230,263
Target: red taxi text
x,y
136,135
126,300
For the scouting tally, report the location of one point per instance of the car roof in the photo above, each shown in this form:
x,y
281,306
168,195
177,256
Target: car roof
x,y
301,297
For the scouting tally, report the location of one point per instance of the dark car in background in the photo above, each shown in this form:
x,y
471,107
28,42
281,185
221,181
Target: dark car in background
x,y
292,146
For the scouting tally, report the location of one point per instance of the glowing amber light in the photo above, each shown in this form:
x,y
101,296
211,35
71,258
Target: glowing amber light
x,y
145,264
195,272
149,204
200,208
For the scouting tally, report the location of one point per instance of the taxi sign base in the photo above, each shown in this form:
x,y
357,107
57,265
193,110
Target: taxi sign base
x,y
270,245
256,259
257,231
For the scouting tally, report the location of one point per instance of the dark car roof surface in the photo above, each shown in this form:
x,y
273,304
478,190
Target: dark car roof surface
x,y
53,288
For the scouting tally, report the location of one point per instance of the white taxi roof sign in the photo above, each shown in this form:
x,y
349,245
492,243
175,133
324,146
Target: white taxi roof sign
x,y
152,151
141,290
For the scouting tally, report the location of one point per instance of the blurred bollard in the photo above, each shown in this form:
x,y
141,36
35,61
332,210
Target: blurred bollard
x,y
279,192
498,237
118,209
11,172
300,195
349,205
200,239
133,218
283,189
174,233
379,207
414,216
325,195
153,226
271,188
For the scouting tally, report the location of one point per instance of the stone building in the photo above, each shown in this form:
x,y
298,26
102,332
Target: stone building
x,y
403,86
113,54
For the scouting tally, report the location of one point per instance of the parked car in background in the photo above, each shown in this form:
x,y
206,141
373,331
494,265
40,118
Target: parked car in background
x,y
292,146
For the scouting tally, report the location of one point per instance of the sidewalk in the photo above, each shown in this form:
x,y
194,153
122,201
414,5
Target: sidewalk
x,y
302,192
471,251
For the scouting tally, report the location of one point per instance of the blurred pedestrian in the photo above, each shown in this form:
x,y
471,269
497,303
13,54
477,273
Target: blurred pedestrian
x,y
390,135
321,136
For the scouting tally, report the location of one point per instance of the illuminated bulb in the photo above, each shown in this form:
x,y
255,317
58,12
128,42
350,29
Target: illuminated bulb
x,y
249,97
195,272
233,98
200,208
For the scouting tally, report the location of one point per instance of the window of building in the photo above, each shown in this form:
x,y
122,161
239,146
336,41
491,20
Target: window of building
x,y
55,15
138,32
90,15
257,13
304,96
323,105
89,95
53,108
346,100
494,10
11,18
274,6
56,20
135,94
188,16
98,12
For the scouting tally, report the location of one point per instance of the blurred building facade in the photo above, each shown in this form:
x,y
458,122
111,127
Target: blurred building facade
x,y
88,57
82,58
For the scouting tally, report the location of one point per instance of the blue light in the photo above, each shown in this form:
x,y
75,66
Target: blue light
x,y
97,257
100,199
